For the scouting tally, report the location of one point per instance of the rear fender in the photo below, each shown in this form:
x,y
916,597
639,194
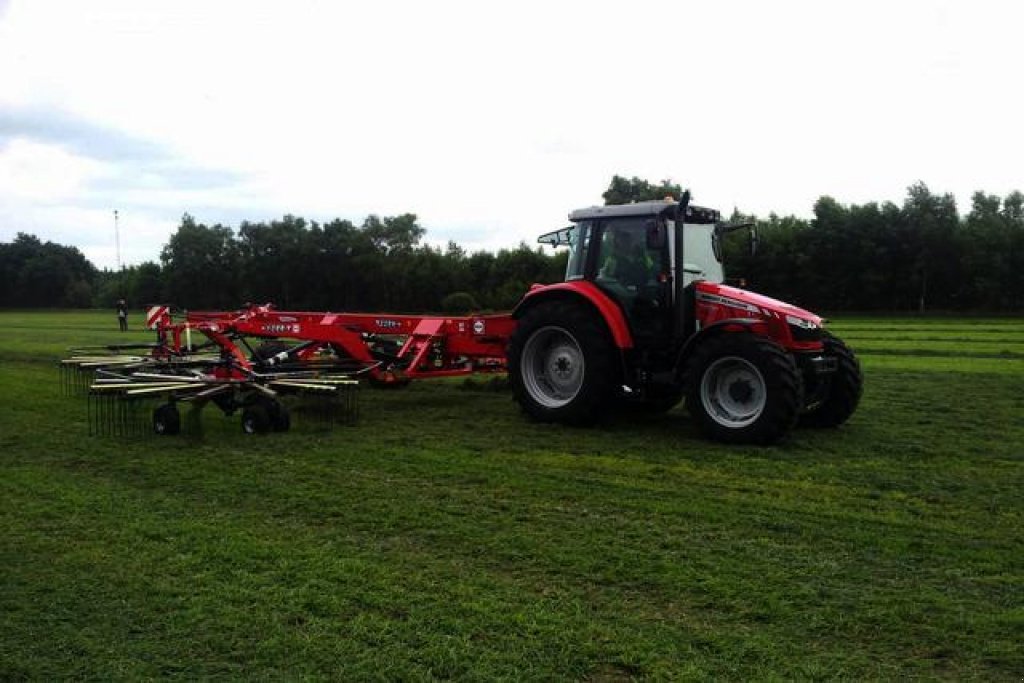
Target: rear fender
x,y
587,292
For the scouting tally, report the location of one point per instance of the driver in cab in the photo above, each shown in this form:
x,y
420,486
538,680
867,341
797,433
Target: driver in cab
x,y
627,262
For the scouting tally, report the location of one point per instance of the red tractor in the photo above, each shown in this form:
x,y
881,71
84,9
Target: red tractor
x,y
644,320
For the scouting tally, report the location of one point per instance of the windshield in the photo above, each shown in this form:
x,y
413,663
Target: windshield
x,y
700,254
579,243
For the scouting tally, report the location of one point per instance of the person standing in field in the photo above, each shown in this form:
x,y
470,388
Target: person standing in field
x,y
122,315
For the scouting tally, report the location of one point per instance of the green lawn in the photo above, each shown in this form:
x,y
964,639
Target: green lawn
x,y
445,536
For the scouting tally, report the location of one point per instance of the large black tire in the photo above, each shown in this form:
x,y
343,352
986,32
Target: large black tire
x,y
843,391
561,363
166,419
742,388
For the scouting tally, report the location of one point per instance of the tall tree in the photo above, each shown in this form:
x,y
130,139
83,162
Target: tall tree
x,y
623,190
202,266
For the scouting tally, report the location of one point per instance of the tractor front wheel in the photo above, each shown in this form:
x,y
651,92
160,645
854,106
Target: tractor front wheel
x,y
844,388
561,364
742,388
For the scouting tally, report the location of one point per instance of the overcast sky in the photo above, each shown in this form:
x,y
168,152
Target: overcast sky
x,y
489,120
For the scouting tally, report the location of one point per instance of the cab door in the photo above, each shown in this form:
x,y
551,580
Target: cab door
x,y
631,265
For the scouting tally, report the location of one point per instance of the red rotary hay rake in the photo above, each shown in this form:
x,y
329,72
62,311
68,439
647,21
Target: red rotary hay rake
x,y
269,364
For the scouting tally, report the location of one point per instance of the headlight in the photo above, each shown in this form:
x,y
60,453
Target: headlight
x,y
803,330
801,322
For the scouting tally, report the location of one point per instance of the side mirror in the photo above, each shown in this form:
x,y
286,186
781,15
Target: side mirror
x,y
558,238
655,234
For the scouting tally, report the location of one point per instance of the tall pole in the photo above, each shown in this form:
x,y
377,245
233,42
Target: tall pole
x,y
117,251
117,240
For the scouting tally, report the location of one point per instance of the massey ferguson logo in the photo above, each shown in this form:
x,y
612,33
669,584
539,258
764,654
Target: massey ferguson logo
x,y
726,301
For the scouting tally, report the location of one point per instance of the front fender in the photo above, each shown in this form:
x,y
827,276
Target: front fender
x,y
727,326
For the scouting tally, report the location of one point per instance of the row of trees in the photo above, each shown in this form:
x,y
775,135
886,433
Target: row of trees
x,y
921,256
43,274
918,256
378,265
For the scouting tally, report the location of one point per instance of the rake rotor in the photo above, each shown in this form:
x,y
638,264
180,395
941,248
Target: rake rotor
x,y
132,395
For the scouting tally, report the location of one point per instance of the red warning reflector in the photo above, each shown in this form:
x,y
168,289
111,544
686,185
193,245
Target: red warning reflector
x,y
154,314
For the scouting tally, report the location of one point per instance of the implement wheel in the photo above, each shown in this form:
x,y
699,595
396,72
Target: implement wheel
x,y
166,419
561,364
265,415
844,389
742,388
256,419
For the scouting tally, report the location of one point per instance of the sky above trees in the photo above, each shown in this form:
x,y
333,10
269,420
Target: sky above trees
x,y
490,122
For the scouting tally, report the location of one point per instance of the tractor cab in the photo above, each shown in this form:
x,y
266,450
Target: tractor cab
x,y
636,256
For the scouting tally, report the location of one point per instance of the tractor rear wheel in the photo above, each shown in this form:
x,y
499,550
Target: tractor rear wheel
x,y
741,388
166,419
560,364
844,388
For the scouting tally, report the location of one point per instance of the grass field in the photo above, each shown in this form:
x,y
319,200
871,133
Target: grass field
x,y
443,536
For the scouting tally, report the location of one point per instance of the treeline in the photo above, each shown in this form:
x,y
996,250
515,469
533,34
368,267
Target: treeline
x,y
378,265
35,274
921,256
918,256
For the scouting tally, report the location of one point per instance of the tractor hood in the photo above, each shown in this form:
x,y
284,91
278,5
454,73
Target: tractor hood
x,y
734,297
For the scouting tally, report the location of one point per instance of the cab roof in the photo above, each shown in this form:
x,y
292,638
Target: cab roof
x,y
694,214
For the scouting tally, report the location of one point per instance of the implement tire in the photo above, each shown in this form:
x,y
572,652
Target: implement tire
x,y
166,420
256,419
845,387
561,363
742,388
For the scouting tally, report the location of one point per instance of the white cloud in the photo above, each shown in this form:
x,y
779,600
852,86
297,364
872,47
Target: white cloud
x,y
492,121
44,173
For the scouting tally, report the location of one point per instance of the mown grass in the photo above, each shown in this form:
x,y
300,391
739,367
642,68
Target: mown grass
x,y
444,536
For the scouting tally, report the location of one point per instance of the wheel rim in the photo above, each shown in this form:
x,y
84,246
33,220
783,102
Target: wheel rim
x,y
249,425
552,367
733,392
163,419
